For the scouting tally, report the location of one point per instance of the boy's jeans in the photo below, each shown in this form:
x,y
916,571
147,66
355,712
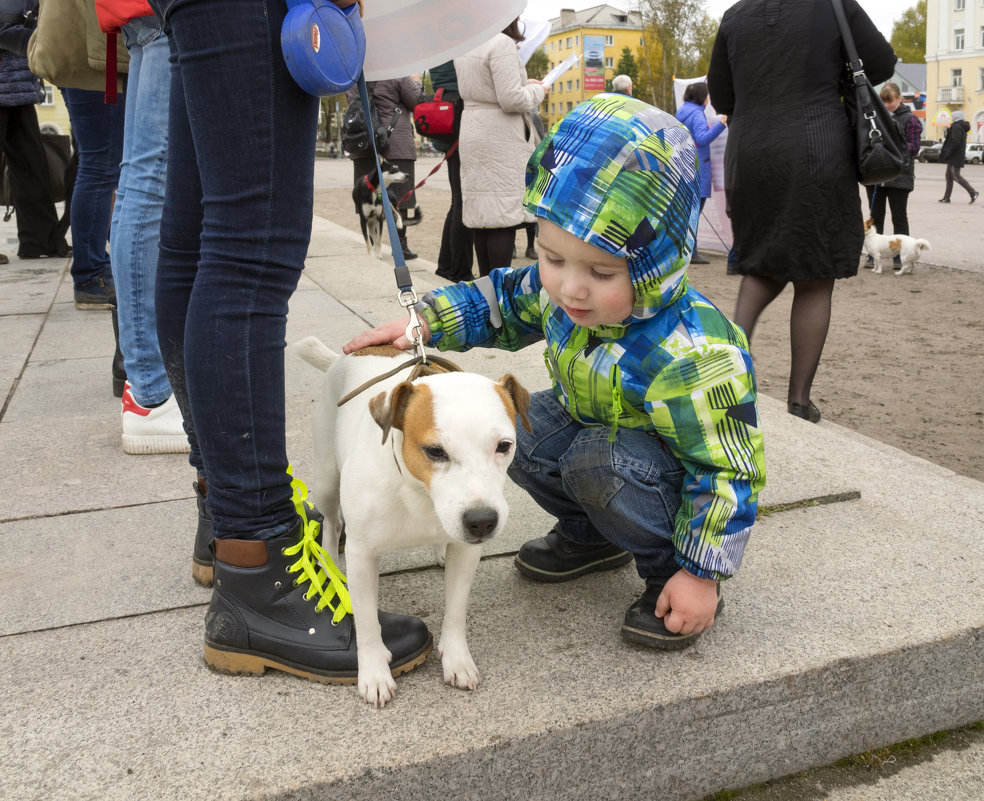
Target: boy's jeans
x,y
136,230
98,130
626,492
234,234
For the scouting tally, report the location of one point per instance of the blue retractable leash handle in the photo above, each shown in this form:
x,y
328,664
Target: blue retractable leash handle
x,y
324,48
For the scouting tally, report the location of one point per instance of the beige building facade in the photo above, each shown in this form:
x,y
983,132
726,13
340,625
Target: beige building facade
x,y
598,34
954,65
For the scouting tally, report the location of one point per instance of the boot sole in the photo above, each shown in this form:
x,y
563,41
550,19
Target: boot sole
x,y
202,573
537,574
235,662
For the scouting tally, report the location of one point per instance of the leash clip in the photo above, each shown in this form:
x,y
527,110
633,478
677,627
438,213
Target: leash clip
x,y
408,300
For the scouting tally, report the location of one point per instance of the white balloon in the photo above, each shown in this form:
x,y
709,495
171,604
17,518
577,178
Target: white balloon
x,y
404,37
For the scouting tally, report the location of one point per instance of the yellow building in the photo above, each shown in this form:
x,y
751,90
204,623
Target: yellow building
x,y
599,35
954,65
52,112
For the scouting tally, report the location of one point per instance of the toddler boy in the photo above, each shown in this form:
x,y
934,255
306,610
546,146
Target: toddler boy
x,y
649,445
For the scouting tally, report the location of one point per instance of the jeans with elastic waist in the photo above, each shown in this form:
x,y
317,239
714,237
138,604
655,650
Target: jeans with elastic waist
x,y
234,235
625,492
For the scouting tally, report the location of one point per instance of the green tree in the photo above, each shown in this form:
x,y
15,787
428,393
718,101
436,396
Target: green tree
x,y
627,65
676,43
538,65
909,34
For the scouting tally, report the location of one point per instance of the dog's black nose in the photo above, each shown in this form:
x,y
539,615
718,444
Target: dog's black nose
x,y
480,523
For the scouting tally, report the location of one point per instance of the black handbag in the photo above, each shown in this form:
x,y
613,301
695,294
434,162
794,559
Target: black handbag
x,y
881,146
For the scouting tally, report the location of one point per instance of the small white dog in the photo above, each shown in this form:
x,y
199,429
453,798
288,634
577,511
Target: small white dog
x,y
410,464
883,248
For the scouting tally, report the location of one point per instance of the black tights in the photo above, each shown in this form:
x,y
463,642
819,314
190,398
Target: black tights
x,y
809,320
493,248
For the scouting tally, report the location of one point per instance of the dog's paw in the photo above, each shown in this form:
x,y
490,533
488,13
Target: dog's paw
x,y
376,686
440,552
460,670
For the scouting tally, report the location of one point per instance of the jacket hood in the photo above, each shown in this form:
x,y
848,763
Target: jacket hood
x,y
622,176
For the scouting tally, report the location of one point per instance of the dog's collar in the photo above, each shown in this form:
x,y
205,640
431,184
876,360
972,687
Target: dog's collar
x,y
365,180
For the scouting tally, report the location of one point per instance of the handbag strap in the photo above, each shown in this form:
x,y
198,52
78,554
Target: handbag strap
x,y
852,53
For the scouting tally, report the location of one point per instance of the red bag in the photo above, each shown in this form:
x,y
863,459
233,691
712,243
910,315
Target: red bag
x,y
434,118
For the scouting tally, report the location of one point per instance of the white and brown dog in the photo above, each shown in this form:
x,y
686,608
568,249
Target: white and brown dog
x,y
411,464
883,249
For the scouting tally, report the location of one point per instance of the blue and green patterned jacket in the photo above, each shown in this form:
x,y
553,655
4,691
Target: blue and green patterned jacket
x,y
622,175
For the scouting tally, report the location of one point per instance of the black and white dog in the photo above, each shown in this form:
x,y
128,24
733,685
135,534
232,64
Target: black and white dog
x,y
369,204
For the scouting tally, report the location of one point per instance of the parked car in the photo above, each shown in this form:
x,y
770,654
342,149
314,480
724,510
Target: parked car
x,y
975,153
930,152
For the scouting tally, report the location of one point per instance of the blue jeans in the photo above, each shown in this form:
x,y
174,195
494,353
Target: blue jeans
x,y
234,235
136,230
98,129
625,492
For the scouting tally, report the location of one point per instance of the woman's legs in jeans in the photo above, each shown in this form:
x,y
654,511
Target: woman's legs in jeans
x,y
625,492
98,129
493,248
233,242
136,229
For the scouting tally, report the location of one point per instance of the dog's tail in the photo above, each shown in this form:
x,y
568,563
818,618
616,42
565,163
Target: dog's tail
x,y
921,245
315,352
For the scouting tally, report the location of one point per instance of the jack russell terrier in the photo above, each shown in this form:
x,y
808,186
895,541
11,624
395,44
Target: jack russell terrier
x,y
410,464
883,248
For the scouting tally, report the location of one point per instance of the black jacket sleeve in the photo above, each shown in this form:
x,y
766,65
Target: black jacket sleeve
x,y
875,52
719,83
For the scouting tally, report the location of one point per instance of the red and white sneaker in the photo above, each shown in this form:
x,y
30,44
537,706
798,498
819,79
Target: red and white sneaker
x,y
156,430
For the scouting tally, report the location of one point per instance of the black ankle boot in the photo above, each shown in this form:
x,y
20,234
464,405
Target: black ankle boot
x,y
408,254
273,606
202,562
119,373
556,558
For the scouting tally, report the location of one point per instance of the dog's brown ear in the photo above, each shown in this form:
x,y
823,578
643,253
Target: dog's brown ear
x,y
518,397
390,414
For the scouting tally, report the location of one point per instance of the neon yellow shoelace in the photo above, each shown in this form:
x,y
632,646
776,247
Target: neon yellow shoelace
x,y
314,564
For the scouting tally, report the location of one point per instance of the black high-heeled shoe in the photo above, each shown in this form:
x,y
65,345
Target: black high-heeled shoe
x,y
807,411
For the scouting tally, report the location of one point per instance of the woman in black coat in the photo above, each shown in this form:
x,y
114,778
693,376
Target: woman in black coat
x,y
790,175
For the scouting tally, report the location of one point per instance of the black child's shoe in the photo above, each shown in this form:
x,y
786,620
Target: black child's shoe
x,y
556,558
641,625
282,604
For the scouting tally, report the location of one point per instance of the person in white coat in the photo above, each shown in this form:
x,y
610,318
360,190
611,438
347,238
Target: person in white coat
x,y
496,140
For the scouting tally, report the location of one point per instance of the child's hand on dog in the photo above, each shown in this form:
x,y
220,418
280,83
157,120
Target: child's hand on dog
x,y
392,333
687,603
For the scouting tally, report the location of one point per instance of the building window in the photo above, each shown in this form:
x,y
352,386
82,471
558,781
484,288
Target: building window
x,y
570,105
49,95
956,77
958,39
610,62
980,79
577,41
577,84
609,41
553,108
570,85
982,36
551,46
568,42
958,5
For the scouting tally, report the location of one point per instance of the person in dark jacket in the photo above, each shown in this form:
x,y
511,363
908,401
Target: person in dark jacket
x,y
896,192
953,154
394,100
38,229
691,114
789,172
455,259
